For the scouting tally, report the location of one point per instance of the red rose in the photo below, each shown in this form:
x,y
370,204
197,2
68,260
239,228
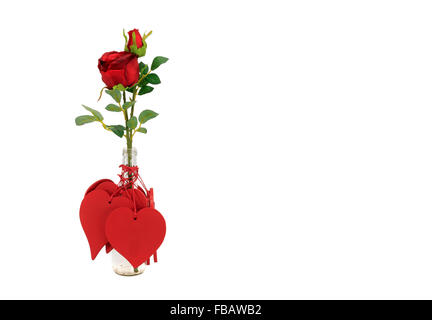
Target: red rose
x,y
138,39
119,68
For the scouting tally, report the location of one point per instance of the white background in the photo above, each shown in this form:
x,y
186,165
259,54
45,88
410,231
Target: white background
x,y
291,158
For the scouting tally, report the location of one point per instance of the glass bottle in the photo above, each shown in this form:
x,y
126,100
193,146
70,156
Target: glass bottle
x,y
119,264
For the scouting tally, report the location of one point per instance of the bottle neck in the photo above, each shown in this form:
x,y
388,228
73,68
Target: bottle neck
x,y
130,157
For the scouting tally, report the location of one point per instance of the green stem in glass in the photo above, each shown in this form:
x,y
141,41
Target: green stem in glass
x,y
129,138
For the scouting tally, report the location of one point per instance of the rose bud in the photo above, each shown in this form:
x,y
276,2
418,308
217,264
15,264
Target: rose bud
x,y
136,44
135,37
119,68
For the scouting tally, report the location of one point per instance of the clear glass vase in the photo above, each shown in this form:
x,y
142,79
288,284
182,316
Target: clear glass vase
x,y
119,264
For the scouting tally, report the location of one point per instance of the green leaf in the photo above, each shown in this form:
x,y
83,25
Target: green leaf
x,y
119,87
142,83
132,122
145,89
128,104
113,108
153,78
118,130
146,115
143,68
115,94
142,130
79,121
126,41
94,112
157,62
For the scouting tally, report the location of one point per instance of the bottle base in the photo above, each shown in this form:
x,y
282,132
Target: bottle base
x,y
128,272
122,267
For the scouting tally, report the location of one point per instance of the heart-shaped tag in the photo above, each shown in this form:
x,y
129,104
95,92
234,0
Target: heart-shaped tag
x,y
94,211
96,184
141,200
138,237
108,186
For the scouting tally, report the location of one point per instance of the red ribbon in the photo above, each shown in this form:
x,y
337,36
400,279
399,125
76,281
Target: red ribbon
x,y
128,181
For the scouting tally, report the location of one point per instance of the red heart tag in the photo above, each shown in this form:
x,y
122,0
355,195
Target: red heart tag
x,y
96,184
135,237
94,211
141,200
108,186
